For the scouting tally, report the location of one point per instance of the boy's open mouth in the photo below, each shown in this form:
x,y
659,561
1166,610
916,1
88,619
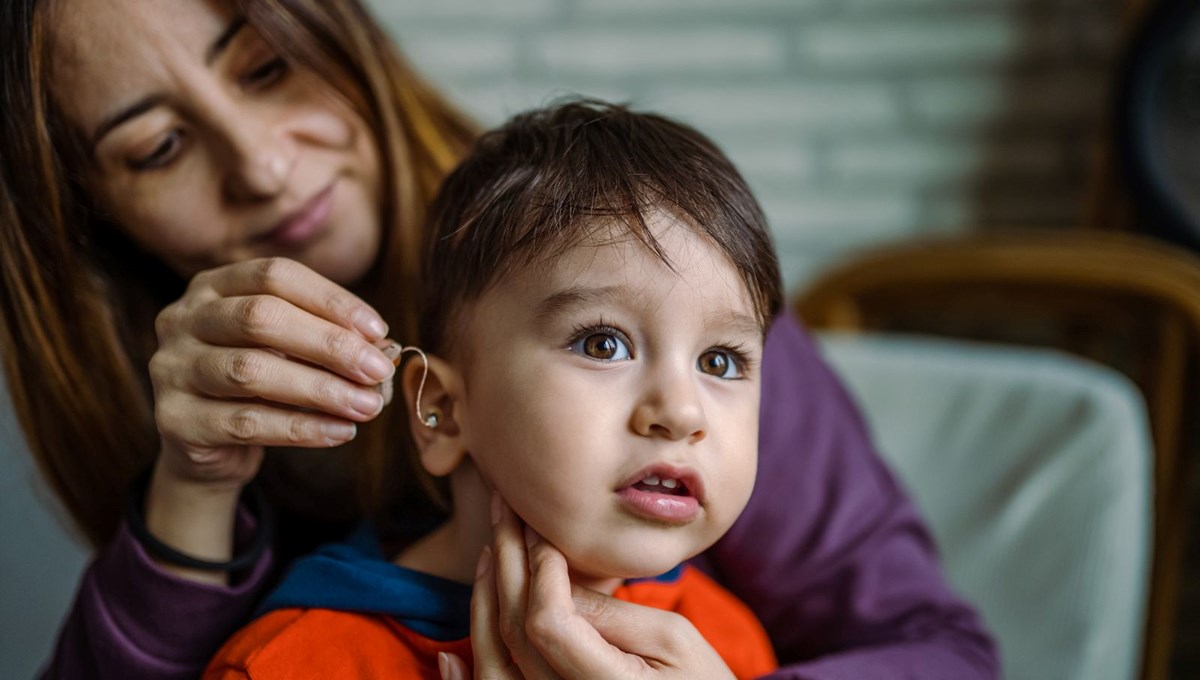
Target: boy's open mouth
x,y
664,485
664,493
666,480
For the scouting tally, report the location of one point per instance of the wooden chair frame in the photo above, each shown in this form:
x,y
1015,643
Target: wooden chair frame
x,y
1124,300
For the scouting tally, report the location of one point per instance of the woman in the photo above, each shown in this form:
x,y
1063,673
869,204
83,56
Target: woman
x,y
209,215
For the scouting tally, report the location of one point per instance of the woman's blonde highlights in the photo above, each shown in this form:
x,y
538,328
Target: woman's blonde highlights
x,y
78,300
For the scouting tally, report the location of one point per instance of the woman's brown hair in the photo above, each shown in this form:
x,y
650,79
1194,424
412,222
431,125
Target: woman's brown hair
x,y
79,300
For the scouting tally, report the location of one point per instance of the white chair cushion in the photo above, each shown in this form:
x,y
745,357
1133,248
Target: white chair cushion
x,y
1034,471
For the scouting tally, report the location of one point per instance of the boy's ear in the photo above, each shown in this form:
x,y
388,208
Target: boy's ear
x,y
438,438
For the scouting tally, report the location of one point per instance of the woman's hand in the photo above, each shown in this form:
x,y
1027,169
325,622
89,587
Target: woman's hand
x,y
528,621
259,353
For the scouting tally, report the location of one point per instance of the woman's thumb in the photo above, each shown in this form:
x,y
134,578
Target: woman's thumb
x,y
452,667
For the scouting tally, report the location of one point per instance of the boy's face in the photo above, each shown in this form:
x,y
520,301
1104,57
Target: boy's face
x,y
614,402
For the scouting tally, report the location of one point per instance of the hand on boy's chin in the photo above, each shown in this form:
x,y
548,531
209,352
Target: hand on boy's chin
x,y
603,573
528,620
594,562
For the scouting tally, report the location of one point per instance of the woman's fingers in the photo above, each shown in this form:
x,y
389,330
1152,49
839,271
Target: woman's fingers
x,y
664,643
511,580
392,350
301,286
528,608
512,574
568,642
239,373
262,353
653,634
202,424
492,659
266,353
451,667
278,323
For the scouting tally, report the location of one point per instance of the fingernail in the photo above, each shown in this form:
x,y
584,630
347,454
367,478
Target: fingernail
x,y
444,665
387,391
370,325
496,508
339,432
366,403
392,352
485,561
377,367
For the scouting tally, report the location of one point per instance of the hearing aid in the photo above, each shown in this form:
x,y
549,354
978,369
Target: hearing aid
x,y
430,419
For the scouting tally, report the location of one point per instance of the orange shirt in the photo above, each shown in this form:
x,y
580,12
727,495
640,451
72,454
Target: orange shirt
x,y
324,643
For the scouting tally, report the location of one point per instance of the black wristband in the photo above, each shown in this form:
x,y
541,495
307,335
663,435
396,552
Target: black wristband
x,y
258,506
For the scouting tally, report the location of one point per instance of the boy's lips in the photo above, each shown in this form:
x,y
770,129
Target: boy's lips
x,y
663,492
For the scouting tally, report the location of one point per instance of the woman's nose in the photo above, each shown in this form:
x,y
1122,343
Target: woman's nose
x,y
261,159
670,407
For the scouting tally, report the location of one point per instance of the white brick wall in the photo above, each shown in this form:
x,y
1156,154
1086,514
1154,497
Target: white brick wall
x,y
890,44
674,9
483,12
637,52
856,121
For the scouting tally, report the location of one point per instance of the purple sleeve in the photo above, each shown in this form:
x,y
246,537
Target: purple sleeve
x,y
132,619
830,554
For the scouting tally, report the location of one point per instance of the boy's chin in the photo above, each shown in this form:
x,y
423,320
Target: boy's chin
x,y
614,567
645,552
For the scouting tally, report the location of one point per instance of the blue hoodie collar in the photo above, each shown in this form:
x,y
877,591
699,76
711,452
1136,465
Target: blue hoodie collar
x,y
355,576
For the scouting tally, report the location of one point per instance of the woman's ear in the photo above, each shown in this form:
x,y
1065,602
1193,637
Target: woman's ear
x,y
433,418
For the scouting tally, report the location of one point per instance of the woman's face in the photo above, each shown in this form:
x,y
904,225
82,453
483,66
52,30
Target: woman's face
x,y
205,147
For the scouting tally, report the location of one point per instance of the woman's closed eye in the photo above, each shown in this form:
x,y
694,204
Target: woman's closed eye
x,y
266,74
601,344
263,76
162,154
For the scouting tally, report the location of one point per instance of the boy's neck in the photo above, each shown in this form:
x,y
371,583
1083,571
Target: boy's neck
x,y
451,551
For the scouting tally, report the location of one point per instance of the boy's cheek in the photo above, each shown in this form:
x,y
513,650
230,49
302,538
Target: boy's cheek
x,y
744,472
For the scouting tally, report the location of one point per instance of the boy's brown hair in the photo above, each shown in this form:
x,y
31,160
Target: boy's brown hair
x,y
553,177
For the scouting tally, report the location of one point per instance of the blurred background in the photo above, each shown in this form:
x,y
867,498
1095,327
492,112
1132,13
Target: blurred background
x,y
856,121
905,150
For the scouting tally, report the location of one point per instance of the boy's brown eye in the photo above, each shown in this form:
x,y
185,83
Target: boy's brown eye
x,y
601,346
719,363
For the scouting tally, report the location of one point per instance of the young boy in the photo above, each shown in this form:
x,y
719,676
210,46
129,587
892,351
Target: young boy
x,y
598,285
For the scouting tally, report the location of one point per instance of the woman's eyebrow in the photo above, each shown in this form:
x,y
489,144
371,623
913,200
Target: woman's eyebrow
x,y
129,112
218,46
149,102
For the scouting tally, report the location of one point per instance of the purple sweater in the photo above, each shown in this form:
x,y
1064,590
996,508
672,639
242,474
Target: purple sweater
x,y
829,553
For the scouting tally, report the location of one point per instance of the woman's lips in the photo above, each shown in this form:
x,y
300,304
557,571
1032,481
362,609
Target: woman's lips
x,y
301,226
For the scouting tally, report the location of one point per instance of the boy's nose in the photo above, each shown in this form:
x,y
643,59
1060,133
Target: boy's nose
x,y
671,409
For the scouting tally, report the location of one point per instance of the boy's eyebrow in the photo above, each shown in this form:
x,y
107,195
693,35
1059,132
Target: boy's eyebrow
x,y
573,298
738,322
581,296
